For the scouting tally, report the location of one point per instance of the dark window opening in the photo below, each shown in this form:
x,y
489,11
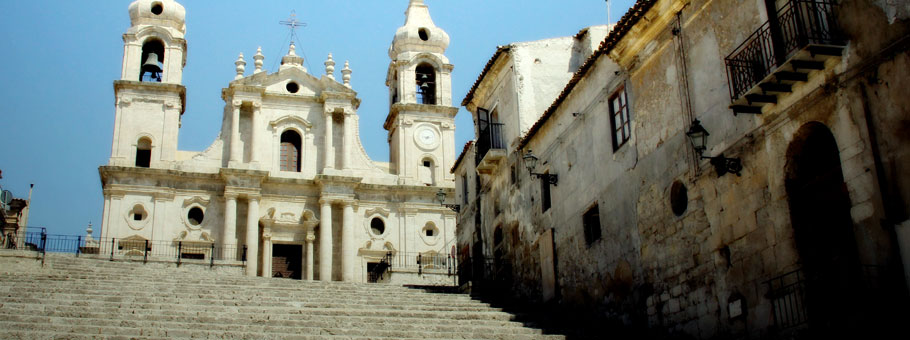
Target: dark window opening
x,y
192,256
464,189
292,87
545,193
591,223
377,226
137,217
152,61
195,216
430,232
290,151
144,153
426,84
426,164
679,198
423,34
620,121
157,9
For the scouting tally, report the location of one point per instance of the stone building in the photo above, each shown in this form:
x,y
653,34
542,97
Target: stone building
x,y
786,220
287,182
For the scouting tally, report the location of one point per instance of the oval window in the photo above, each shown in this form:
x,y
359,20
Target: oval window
x,y
423,34
292,87
377,226
195,216
157,8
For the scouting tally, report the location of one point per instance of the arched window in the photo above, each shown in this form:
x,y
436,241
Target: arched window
x,y
152,61
290,151
144,153
426,84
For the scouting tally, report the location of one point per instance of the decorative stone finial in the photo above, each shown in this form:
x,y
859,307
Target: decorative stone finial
x,y
330,67
292,59
346,74
89,229
241,66
258,58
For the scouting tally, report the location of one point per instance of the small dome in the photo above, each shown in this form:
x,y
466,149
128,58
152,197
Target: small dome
x,y
419,33
158,12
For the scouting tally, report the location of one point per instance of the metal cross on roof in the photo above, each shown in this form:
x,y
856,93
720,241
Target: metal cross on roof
x,y
292,23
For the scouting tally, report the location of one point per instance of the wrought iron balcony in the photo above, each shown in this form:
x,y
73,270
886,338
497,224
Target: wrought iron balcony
x,y
798,39
490,148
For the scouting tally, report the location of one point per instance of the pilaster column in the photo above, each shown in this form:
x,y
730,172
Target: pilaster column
x,y
310,237
348,140
266,260
347,242
254,133
252,236
325,241
236,155
229,231
329,148
159,217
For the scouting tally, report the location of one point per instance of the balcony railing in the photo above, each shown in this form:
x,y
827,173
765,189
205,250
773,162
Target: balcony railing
x,y
797,25
490,138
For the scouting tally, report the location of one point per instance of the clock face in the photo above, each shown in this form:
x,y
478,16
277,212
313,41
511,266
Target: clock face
x,y
426,137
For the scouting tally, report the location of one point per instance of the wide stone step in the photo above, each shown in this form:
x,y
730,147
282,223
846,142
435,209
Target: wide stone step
x,y
336,312
176,315
222,331
102,288
267,326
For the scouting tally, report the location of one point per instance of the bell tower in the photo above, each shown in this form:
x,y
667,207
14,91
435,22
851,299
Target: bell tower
x,y
149,96
421,120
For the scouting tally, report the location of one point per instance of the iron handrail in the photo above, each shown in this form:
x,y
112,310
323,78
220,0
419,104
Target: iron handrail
x,y
489,138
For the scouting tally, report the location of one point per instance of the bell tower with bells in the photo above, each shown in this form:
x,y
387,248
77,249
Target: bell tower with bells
x,y
150,99
421,120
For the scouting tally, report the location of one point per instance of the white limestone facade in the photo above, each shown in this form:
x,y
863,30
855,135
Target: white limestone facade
x,y
287,178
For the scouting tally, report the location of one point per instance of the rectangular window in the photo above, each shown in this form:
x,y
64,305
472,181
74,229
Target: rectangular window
x,y
591,223
621,121
545,193
464,189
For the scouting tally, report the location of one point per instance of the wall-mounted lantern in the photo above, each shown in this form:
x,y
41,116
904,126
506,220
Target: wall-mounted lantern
x,y
441,197
531,163
698,136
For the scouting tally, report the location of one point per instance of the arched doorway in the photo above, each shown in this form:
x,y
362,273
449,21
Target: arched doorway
x,y
822,227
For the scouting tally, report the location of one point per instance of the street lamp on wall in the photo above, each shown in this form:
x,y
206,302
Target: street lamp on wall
x,y
441,197
698,136
531,163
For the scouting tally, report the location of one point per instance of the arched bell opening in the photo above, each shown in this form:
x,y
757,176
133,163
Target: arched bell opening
x,y
152,68
426,84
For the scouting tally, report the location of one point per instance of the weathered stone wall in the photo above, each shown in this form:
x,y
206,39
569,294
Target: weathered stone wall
x,y
704,273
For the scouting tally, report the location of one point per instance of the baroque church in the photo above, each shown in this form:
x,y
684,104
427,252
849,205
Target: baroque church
x,y
287,183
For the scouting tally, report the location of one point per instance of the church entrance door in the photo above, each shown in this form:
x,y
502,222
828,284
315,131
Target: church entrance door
x,y
287,261
823,228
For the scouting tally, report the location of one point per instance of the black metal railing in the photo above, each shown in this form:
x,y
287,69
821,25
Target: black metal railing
x,y
124,248
377,272
489,138
788,299
797,24
436,262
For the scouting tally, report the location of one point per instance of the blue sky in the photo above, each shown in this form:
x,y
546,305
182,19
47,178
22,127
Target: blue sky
x,y
59,59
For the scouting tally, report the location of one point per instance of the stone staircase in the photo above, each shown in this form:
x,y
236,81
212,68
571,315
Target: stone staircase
x,y
83,298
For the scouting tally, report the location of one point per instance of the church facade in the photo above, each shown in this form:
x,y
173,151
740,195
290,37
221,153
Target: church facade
x,y
287,182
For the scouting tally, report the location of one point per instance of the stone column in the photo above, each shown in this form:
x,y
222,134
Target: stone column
x,y
159,217
266,253
347,140
252,236
236,155
329,149
310,237
229,232
325,241
254,139
347,242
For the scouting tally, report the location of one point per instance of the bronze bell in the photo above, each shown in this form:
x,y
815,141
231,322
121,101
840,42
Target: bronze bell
x,y
151,66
